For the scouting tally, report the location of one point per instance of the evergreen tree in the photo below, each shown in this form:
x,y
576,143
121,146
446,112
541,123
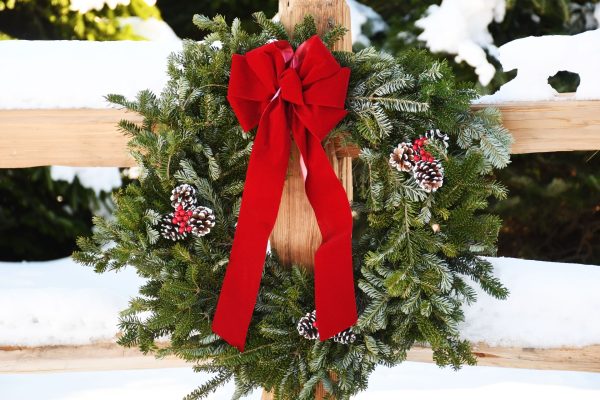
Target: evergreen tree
x,y
56,20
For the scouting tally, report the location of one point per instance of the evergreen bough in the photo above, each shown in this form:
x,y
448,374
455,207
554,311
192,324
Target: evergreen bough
x,y
411,278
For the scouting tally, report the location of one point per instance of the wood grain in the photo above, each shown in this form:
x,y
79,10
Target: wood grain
x,y
296,234
563,358
75,137
104,356
110,356
564,124
90,138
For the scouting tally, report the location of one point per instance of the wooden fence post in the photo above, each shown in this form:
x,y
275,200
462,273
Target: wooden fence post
x,y
296,235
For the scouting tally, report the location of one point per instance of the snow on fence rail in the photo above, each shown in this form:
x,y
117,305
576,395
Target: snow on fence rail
x,y
61,316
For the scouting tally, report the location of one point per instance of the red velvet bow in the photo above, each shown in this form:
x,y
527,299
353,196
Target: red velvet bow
x,y
304,92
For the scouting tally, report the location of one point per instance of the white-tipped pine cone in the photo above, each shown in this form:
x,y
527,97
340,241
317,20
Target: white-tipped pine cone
x,y
345,337
429,175
436,134
403,157
306,326
307,329
171,230
183,195
201,221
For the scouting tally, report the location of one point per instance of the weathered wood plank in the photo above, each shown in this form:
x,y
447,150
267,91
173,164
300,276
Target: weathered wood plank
x,y
110,356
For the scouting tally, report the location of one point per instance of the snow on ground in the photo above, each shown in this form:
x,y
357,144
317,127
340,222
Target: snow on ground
x,y
101,179
78,74
60,302
406,381
461,27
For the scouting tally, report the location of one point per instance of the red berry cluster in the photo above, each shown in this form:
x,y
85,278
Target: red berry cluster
x,y
181,218
420,153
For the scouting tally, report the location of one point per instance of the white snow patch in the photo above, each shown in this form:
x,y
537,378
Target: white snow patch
x,y
133,172
461,27
151,29
78,74
60,302
101,179
538,58
360,15
84,6
550,305
409,380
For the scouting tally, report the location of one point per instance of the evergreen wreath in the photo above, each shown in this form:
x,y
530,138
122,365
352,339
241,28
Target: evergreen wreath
x,y
415,251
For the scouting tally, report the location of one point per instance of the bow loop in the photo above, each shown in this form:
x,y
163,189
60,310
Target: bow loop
x,y
279,90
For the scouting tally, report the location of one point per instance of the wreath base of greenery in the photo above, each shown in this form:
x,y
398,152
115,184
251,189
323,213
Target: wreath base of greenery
x,y
411,280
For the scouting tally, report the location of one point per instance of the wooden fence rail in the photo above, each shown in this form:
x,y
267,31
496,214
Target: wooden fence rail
x,y
105,356
87,137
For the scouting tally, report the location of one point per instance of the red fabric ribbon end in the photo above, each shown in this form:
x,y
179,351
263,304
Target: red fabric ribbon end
x,y
303,92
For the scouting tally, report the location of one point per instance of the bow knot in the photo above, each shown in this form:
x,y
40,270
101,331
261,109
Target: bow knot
x,y
303,92
291,87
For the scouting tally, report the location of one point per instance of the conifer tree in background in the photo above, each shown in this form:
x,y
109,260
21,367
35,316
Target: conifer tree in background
x,y
71,19
40,219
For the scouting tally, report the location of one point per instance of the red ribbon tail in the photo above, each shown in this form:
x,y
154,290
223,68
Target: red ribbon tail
x,y
263,188
335,300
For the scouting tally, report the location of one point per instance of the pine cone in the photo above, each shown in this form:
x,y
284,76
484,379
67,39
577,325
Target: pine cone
x,y
403,157
436,134
306,326
183,195
201,221
345,337
429,175
171,230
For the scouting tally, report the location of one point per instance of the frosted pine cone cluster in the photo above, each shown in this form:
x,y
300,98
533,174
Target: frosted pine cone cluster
x,y
307,328
427,171
187,219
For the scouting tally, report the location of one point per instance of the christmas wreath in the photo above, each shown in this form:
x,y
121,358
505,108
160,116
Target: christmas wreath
x,y
419,227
